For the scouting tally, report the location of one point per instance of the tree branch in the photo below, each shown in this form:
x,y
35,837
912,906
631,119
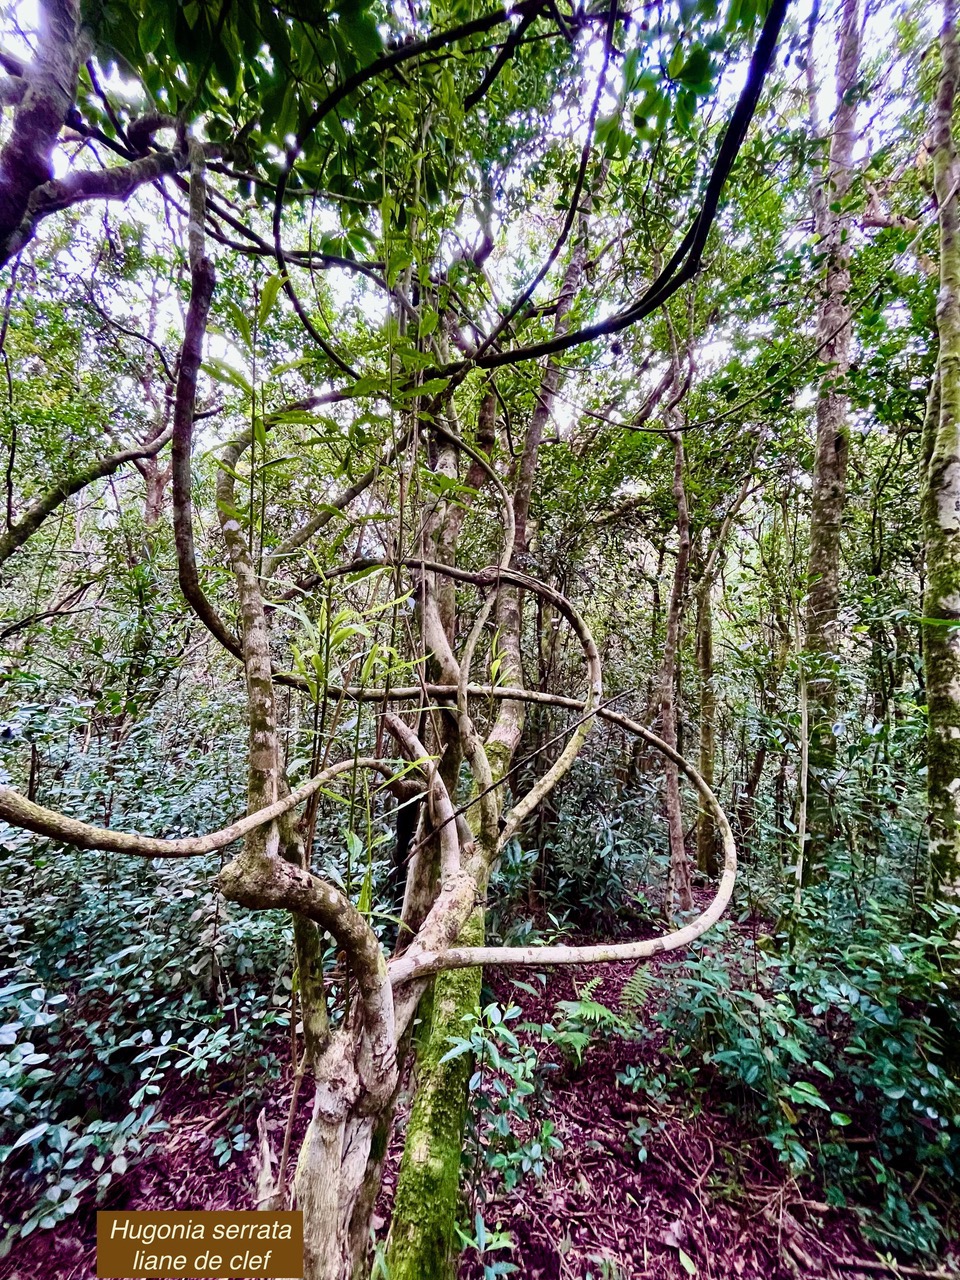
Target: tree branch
x,y
415,964
21,812
26,160
686,261
40,508
202,280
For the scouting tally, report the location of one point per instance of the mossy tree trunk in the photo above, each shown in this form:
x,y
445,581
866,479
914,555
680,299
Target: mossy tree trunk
x,y
941,499
828,501
423,1231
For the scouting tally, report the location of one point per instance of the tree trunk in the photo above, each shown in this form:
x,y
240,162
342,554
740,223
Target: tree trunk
x,y
707,839
941,500
828,501
679,893
332,1165
423,1227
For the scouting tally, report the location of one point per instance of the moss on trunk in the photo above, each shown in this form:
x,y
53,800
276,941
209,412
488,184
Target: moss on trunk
x,y
422,1235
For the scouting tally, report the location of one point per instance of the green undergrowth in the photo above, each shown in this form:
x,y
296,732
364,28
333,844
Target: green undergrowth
x,y
834,1037
510,1135
840,1051
128,987
94,1040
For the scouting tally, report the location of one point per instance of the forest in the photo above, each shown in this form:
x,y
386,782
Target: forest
x,y
480,632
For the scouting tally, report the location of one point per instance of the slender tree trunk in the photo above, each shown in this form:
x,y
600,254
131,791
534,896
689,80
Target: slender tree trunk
x,y
828,502
679,892
707,840
745,809
941,499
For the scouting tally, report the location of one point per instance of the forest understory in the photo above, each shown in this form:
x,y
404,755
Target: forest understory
x,y
664,1185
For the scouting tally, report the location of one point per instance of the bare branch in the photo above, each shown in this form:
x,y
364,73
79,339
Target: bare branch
x,y
686,260
21,812
415,964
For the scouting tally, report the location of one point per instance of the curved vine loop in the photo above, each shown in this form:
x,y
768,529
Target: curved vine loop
x,y
413,965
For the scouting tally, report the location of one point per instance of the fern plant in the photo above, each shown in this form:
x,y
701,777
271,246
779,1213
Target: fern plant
x,y
636,990
577,1021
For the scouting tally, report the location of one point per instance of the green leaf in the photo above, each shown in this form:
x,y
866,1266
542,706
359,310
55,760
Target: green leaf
x,y
428,388
458,1050
220,371
362,36
268,298
241,323
685,108
31,1135
355,845
367,386
365,901
152,29
688,1264
695,72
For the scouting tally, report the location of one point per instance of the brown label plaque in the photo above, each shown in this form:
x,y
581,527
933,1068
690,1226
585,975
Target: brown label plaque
x,y
235,1246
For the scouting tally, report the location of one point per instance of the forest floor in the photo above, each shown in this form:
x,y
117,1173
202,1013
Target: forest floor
x,y
699,1195
706,1200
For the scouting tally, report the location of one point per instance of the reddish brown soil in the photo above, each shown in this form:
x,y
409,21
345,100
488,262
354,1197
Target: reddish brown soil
x,y
181,1173
705,1192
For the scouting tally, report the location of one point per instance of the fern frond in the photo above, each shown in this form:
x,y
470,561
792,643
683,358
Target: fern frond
x,y
636,990
585,992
